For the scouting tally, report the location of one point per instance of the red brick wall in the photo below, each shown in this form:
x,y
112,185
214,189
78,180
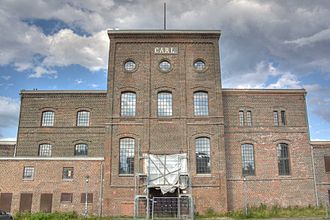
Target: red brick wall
x,y
267,186
48,179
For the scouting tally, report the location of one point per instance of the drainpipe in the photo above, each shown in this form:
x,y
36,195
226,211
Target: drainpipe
x,y
312,153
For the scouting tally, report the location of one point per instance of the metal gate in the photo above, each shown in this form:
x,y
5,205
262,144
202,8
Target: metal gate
x,y
172,208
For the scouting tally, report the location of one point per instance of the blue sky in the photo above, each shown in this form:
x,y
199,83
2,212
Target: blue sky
x,y
62,44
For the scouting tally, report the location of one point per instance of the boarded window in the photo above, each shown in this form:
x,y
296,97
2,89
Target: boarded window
x,y
25,202
66,197
46,200
327,163
5,201
89,199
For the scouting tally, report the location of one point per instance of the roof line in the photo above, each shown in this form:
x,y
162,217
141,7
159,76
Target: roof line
x,y
265,90
161,31
62,91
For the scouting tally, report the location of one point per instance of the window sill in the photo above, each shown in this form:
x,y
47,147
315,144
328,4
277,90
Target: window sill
x,y
27,180
68,180
126,175
203,175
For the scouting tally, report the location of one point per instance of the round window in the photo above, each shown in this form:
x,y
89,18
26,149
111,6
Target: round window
x,y
130,66
165,66
199,65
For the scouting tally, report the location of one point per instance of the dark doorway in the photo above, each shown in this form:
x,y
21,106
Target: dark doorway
x,y
25,202
5,201
46,201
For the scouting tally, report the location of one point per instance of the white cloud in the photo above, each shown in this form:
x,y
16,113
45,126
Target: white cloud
x,y
6,77
318,37
9,112
66,48
40,71
78,81
286,81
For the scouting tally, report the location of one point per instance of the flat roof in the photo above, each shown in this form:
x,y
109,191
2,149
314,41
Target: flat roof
x,y
161,31
320,142
265,90
7,142
63,91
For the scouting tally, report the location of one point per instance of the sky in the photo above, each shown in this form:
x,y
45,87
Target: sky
x,y
63,44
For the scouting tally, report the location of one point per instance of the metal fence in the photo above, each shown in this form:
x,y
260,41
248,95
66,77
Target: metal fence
x,y
171,208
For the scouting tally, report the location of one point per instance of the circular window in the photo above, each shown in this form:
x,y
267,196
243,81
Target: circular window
x,y
165,66
129,66
199,65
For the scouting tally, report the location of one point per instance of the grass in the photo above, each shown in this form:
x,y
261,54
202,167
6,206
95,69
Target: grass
x,y
261,212
264,212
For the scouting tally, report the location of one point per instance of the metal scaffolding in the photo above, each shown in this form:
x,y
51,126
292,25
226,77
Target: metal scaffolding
x,y
162,187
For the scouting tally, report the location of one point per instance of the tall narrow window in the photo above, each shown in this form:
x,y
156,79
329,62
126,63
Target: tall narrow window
x,y
128,104
81,150
283,159
48,118
45,150
283,118
276,123
241,118
201,104
164,104
248,167
83,118
249,118
203,155
327,163
126,156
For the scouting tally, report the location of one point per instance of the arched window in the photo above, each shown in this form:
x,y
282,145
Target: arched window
x,y
201,104
126,156
83,118
248,166
47,118
283,159
45,150
81,150
164,100
128,104
203,163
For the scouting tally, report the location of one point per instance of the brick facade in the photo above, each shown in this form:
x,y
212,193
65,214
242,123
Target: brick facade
x,y
7,148
224,188
321,149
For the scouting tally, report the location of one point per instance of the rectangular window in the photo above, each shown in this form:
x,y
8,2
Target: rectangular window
x,y
201,104
83,118
327,163
67,173
283,118
128,104
48,118
89,198
45,150
164,104
126,156
81,150
66,197
248,160
28,173
249,118
283,159
241,118
203,155
276,122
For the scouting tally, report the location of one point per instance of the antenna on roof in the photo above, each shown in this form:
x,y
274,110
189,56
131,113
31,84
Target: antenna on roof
x,y
164,15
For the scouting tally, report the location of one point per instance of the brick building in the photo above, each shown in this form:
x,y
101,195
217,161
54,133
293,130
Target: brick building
x,y
164,134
